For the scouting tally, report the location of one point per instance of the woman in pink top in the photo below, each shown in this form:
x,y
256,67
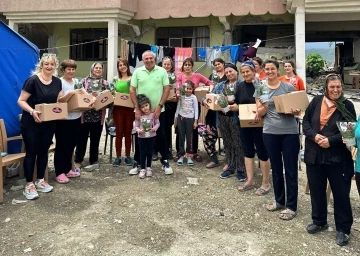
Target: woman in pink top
x,y
187,73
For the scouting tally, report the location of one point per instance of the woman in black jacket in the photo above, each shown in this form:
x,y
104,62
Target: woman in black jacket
x,y
327,158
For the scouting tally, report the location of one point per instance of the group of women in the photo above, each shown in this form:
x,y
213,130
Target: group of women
x,y
277,142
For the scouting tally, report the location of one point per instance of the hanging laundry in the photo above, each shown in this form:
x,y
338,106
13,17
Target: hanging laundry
x,y
250,53
240,53
160,55
225,50
124,49
233,52
212,54
202,53
154,49
258,42
136,54
180,55
169,51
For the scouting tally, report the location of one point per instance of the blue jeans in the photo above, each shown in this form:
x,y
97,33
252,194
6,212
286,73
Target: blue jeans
x,y
285,147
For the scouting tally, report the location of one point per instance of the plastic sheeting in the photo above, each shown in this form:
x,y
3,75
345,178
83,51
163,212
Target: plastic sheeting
x,y
18,58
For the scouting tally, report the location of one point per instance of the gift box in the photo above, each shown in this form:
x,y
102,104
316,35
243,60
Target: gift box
x,y
247,116
50,112
123,99
294,100
79,103
104,99
201,92
211,101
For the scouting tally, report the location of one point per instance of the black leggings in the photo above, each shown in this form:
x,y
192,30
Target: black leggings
x,y
357,179
37,144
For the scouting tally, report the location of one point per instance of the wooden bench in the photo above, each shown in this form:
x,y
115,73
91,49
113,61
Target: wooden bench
x,y
9,158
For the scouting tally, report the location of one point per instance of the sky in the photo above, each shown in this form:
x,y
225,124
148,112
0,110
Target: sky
x,y
319,45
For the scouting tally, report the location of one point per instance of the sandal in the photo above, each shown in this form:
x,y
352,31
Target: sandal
x,y
72,174
261,192
272,207
244,187
198,158
62,179
287,214
211,165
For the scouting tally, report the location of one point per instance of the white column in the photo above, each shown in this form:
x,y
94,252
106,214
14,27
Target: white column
x,y
300,42
112,52
14,26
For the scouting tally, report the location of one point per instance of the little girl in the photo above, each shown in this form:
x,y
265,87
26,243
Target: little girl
x,y
186,118
146,128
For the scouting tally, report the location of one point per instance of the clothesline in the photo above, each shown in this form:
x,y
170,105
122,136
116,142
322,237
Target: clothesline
x,y
107,38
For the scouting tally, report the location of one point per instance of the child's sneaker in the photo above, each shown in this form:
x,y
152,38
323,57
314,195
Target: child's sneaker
x,y
166,167
135,169
30,192
43,186
142,173
91,167
148,172
180,161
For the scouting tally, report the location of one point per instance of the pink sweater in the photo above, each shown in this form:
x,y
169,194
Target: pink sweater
x,y
154,123
196,78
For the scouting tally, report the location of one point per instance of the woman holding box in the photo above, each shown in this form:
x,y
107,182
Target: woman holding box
x,y
123,116
42,87
92,121
251,136
229,128
67,131
281,139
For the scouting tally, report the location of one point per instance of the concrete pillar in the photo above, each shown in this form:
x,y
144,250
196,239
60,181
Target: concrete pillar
x,y
112,52
300,42
14,26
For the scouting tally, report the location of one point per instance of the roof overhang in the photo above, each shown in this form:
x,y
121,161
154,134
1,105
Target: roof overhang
x,y
323,6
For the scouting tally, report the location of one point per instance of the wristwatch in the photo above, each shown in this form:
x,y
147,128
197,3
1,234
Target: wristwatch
x,y
161,105
31,112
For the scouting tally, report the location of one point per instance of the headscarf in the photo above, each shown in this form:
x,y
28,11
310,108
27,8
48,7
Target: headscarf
x,y
230,65
92,70
340,101
249,64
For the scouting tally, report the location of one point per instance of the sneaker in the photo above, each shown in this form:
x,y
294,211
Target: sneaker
x,y
148,172
91,167
227,174
135,169
180,161
155,157
241,176
142,173
190,162
117,162
128,161
30,192
43,186
166,168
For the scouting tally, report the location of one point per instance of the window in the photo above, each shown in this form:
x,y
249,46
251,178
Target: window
x,y
91,51
184,37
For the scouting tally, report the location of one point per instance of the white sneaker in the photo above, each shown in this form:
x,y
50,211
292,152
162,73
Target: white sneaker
x,y
166,168
30,192
148,172
91,167
134,170
142,173
43,186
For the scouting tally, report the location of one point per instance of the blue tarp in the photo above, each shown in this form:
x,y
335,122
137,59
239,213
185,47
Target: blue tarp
x,y
18,58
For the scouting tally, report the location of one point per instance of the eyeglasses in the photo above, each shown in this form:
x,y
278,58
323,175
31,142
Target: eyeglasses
x,y
49,55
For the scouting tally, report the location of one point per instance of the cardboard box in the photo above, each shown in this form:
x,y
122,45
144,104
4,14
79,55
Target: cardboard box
x,y
294,100
105,98
210,100
201,92
123,99
247,116
50,112
79,103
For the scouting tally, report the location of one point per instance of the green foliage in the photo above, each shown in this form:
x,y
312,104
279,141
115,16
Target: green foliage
x,y
314,62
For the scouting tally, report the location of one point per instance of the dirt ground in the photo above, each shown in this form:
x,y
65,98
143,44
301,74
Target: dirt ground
x,y
107,212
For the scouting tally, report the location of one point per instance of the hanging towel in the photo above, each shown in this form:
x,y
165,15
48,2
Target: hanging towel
x,y
154,49
240,53
250,53
180,55
225,50
202,53
233,52
124,49
258,42
160,54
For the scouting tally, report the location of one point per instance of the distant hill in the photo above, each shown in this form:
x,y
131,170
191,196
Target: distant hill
x,y
328,54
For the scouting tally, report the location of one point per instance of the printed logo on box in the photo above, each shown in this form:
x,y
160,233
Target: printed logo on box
x,y
104,99
209,100
57,110
253,123
86,100
124,97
